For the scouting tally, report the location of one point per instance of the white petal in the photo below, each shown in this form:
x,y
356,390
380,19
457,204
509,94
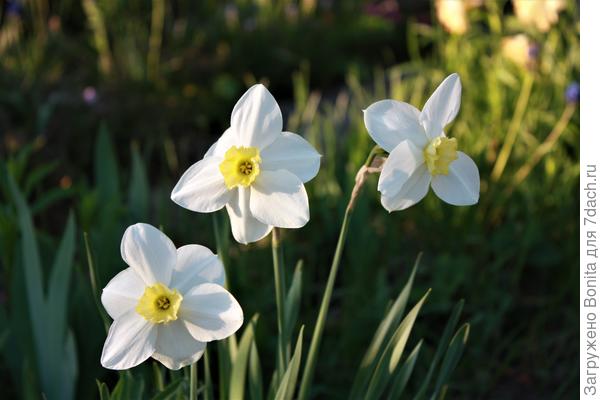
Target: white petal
x,y
225,142
122,293
402,162
175,346
278,198
244,227
461,186
389,122
442,106
292,153
149,252
131,340
210,312
196,264
202,187
413,190
256,118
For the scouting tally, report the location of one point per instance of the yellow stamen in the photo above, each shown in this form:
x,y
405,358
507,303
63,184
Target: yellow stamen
x,y
159,304
439,154
240,166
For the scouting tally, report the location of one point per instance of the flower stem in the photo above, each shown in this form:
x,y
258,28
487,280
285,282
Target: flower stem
x,y
315,342
193,382
513,129
279,296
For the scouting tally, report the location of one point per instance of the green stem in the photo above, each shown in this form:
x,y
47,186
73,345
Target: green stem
x,y
513,129
315,342
279,296
207,378
193,382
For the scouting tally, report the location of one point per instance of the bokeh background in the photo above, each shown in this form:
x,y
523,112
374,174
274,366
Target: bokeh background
x,y
104,104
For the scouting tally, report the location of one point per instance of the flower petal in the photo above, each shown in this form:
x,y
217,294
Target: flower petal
x,y
122,293
413,190
244,227
292,153
461,186
175,346
256,118
131,340
149,252
196,264
278,198
442,106
389,122
210,312
202,187
226,141
402,162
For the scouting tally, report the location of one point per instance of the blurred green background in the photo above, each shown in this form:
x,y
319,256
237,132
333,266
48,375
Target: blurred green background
x,y
104,104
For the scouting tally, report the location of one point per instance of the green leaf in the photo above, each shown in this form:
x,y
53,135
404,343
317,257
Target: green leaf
x,y
60,278
442,346
128,387
453,355
51,197
404,373
139,189
292,305
288,381
255,374
382,335
393,352
170,391
106,167
238,371
37,175
103,390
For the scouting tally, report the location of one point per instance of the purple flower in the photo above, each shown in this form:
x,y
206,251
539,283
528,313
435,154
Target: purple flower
x,y
89,95
572,93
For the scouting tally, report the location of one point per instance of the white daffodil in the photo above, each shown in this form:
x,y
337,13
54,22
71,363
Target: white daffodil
x,y
167,304
255,170
420,154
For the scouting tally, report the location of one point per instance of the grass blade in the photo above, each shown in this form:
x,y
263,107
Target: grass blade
x,y
453,355
287,386
450,326
393,352
403,375
382,335
240,364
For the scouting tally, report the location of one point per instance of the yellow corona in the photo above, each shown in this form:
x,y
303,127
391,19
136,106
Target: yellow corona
x,y
439,154
159,304
240,166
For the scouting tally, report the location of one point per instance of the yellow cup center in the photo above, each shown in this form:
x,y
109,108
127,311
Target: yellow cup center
x,y
240,166
439,154
159,304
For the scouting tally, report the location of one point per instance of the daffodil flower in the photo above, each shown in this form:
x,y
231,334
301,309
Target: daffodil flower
x,y
167,304
255,170
420,154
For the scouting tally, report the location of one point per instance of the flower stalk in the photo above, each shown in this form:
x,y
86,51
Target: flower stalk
x,y
367,168
193,381
278,276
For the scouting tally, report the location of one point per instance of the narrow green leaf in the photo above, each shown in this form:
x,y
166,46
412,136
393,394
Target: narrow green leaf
x,y
404,373
139,189
382,335
170,391
255,374
287,386
292,305
453,355
103,390
105,166
37,175
60,278
393,352
238,371
441,349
